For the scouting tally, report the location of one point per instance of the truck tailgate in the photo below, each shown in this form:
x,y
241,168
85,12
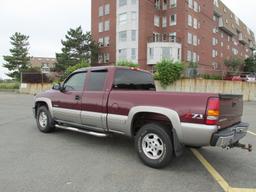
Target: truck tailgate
x,y
231,110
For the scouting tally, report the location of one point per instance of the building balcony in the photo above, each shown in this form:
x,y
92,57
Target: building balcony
x,y
226,26
164,38
165,49
252,45
242,39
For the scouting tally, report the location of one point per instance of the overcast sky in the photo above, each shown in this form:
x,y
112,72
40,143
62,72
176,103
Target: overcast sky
x,y
47,21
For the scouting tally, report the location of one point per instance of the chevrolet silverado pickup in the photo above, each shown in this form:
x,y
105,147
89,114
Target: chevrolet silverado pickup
x,y
101,101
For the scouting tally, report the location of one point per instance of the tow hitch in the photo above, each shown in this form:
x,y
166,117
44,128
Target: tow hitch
x,y
242,146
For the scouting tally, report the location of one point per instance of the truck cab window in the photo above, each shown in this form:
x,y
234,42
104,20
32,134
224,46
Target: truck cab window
x,y
75,82
126,79
97,80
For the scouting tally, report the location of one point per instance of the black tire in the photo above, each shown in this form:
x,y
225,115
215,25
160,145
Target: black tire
x,y
47,125
162,157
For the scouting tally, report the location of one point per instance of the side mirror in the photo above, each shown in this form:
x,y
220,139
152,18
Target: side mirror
x,y
58,87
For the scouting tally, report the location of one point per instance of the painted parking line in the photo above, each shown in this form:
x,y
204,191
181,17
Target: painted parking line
x,y
251,133
220,180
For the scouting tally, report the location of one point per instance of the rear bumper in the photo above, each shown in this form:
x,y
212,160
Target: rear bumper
x,y
229,136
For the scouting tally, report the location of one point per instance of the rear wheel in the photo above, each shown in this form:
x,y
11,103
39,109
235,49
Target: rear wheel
x,y
154,145
44,120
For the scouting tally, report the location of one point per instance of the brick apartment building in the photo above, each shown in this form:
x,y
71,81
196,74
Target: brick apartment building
x,y
146,31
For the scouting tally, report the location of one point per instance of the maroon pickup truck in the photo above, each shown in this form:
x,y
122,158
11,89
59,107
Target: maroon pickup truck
x,y
104,100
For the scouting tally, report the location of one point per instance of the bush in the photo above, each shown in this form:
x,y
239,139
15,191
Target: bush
x,y
211,77
168,71
9,85
125,63
71,69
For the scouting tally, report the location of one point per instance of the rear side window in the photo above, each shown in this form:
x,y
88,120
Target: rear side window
x,y
75,82
97,80
133,80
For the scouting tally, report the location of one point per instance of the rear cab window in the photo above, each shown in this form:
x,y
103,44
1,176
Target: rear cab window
x,y
126,79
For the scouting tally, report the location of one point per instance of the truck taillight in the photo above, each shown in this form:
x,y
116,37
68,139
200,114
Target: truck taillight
x,y
213,111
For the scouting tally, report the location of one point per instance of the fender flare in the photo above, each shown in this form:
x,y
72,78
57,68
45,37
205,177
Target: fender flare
x,y
48,103
169,113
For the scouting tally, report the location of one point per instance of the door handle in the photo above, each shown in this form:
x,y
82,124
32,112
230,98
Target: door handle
x,y
77,97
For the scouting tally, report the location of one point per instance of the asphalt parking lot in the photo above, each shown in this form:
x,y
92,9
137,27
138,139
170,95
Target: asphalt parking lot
x,y
67,161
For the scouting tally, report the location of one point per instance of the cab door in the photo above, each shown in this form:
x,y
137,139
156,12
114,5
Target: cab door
x,y
94,101
67,102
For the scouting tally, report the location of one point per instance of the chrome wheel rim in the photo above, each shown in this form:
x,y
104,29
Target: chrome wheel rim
x,y
152,146
43,119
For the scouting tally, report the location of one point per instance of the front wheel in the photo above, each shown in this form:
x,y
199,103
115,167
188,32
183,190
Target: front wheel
x,y
154,145
44,120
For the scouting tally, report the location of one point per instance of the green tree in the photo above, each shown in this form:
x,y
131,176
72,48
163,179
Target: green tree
x,y
125,63
250,64
77,46
234,64
18,61
73,68
168,71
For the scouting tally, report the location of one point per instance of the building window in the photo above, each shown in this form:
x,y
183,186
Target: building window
x,y
195,23
100,27
107,9
123,36
195,40
216,3
122,54
172,37
156,21
166,53
122,19
189,55
194,57
100,58
173,3
106,26
100,11
122,3
173,20
134,18
190,38
134,2
214,53
214,41
164,21
151,53
134,34
101,42
133,54
106,41
196,6
106,57
190,21
190,4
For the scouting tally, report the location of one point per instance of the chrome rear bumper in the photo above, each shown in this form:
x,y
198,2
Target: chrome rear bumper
x,y
229,136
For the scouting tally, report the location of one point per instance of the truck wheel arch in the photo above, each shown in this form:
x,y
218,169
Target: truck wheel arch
x,y
44,101
172,116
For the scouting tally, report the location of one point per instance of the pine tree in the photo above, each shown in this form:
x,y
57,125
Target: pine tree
x,y
18,61
77,47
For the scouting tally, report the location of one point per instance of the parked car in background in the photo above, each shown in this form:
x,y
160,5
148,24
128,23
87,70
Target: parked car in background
x,y
248,77
233,78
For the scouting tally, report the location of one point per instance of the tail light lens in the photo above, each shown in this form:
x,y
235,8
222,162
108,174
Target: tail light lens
x,y
213,111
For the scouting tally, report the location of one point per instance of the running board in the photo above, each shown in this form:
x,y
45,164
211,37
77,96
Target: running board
x,y
81,131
